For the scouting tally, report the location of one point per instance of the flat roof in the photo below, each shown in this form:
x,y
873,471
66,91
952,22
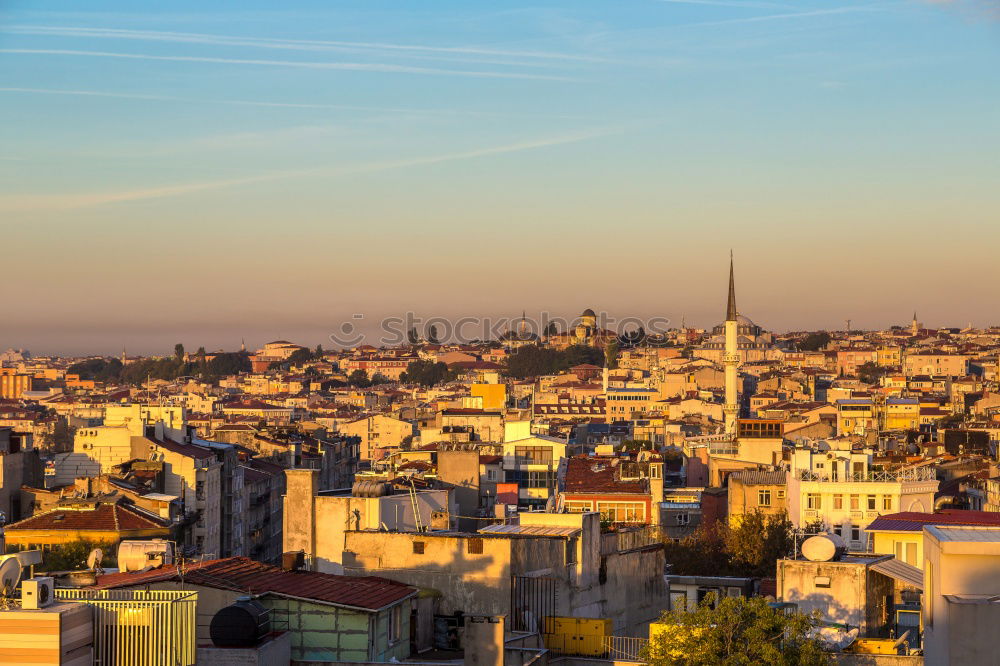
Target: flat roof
x,y
531,530
965,533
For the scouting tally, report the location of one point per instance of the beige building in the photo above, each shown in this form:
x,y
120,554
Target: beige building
x,y
935,364
753,490
961,587
838,489
380,434
316,522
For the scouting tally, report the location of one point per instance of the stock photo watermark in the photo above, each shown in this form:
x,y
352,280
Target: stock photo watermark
x,y
412,328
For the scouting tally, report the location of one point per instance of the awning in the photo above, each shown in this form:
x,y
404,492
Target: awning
x,y
901,571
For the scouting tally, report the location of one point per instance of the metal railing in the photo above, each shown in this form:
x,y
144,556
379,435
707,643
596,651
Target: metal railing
x,y
624,648
140,628
913,474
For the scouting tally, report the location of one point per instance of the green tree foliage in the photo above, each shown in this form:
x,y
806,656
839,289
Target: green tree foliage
x,y
179,352
751,548
758,542
98,369
552,329
111,370
533,361
299,356
739,631
318,354
703,552
432,335
412,336
814,341
427,373
358,379
611,354
870,372
73,555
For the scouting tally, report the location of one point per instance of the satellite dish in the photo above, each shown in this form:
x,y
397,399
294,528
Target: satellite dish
x,y
10,576
94,559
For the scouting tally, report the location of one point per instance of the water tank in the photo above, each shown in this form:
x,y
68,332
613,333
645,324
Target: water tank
x,y
139,555
823,548
244,624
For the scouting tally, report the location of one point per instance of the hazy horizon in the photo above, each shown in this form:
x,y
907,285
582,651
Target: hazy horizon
x,y
202,175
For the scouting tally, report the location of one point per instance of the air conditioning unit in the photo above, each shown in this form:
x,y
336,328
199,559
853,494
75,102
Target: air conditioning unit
x,y
37,593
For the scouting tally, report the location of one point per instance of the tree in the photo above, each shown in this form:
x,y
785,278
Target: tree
x,y
870,372
533,360
814,341
703,552
426,373
432,334
611,354
750,548
552,329
319,352
358,378
757,542
73,555
412,336
738,631
299,356
179,352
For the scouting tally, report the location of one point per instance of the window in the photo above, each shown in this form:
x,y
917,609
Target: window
x,y
813,501
887,503
781,494
474,546
533,455
855,502
764,497
683,518
838,501
855,533
871,502
395,628
418,547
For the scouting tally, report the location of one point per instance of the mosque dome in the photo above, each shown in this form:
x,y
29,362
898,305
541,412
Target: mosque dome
x,y
588,313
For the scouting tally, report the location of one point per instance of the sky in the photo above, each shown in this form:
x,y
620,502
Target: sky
x,y
209,172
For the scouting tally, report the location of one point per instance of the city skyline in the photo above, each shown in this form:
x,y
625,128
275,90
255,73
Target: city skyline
x,y
208,175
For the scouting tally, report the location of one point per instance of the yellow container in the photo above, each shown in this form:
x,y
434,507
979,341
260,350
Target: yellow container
x,y
572,635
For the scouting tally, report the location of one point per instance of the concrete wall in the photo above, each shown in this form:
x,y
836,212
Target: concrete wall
x,y
317,524
277,651
856,595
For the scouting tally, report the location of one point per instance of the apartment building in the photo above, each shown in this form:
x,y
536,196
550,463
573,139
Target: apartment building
x,y
839,490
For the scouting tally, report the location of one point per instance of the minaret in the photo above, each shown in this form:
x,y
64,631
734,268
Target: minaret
x,y
731,357
914,326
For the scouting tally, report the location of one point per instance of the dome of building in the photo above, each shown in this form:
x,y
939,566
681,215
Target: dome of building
x,y
744,326
588,313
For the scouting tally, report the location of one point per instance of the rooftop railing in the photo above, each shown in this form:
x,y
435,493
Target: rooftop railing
x,y
880,476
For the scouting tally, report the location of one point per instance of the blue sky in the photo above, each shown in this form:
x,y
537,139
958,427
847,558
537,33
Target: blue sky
x,y
209,172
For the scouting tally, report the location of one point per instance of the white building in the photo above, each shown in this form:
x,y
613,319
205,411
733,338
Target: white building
x,y
839,489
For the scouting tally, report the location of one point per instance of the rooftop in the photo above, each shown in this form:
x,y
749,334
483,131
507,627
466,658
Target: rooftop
x,y
242,574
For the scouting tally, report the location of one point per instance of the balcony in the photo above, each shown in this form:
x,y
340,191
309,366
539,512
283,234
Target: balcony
x,y
916,474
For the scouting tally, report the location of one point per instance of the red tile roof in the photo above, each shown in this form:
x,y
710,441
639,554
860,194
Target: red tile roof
x,y
600,475
104,518
913,521
246,575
